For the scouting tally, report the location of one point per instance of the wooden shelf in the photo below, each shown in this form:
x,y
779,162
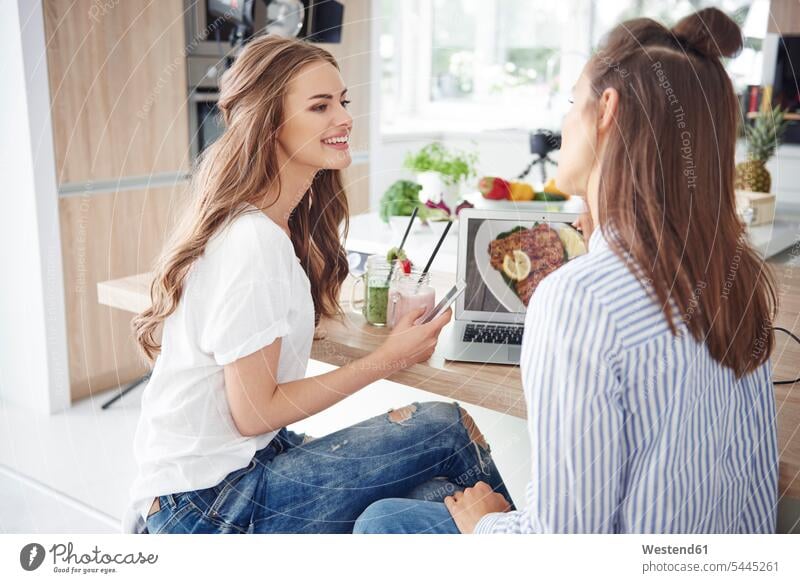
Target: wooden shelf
x,y
789,116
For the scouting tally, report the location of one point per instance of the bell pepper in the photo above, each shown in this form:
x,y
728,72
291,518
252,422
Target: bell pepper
x,y
521,191
494,188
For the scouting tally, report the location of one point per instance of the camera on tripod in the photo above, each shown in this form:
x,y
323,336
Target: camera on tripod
x,y
542,142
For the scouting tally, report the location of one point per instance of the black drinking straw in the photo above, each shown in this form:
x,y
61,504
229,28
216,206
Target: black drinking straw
x,y
433,255
403,242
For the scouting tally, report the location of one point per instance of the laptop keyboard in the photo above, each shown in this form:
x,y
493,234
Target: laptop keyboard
x,y
493,334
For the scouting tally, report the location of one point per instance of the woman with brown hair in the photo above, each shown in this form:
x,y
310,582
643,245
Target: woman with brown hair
x,y
236,297
645,362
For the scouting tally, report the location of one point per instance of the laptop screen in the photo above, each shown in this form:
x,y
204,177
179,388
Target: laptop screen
x,y
506,259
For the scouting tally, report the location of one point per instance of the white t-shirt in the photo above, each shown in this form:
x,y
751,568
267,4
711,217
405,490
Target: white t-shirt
x,y
246,290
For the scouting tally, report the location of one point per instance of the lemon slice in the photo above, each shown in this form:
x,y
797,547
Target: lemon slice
x,y
573,242
517,265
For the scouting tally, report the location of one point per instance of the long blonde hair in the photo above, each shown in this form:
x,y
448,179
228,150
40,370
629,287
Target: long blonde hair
x,y
240,167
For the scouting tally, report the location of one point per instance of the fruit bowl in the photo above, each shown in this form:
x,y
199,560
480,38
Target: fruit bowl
x,y
574,204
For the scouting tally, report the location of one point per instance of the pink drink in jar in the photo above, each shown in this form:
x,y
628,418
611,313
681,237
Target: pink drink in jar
x,y
407,293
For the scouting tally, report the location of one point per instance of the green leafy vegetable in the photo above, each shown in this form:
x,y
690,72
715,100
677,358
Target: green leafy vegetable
x,y
453,166
400,199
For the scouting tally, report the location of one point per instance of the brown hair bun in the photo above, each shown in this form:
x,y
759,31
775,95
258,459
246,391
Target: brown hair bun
x,y
710,32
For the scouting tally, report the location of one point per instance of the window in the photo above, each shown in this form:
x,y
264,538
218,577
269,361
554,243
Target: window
x,y
751,15
492,64
497,62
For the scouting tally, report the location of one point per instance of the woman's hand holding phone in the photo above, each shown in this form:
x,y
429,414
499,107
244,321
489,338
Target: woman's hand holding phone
x,y
410,343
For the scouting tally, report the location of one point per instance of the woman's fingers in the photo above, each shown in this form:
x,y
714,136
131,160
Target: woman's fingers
x,y
408,319
482,487
440,322
417,343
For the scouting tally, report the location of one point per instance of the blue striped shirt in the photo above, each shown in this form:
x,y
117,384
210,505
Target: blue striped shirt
x,y
633,429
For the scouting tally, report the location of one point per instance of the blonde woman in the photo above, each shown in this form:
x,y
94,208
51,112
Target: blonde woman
x,y
236,298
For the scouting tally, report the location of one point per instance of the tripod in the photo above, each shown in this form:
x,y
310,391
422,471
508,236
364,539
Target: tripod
x,y
542,142
540,161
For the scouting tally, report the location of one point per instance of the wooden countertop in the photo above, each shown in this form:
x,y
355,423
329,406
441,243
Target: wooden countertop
x,y
499,387
786,365
494,386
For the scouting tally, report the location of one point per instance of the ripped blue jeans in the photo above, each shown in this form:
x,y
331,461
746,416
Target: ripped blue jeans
x,y
423,451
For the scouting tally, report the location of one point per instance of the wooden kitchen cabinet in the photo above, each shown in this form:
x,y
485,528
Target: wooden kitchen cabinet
x,y
784,17
107,236
118,88
118,93
355,180
353,56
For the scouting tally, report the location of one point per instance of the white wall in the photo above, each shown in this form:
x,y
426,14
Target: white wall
x,y
33,350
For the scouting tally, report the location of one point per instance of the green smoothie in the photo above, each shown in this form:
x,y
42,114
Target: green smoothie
x,y
377,300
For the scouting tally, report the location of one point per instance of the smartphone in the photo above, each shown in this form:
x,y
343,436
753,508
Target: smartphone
x,y
444,303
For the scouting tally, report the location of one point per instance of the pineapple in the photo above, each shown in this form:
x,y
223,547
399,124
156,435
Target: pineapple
x,y
762,139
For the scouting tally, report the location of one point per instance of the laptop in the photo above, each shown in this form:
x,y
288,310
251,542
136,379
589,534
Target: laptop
x,y
502,257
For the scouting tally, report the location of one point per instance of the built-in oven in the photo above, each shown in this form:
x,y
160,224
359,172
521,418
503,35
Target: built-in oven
x,y
320,21
205,124
209,52
209,35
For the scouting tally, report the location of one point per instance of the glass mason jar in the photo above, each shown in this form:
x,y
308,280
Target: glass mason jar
x,y
407,292
376,293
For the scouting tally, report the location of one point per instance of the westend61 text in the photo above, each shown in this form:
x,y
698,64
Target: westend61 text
x,y
673,550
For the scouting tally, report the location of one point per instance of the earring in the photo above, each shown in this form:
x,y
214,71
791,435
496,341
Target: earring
x,y
310,196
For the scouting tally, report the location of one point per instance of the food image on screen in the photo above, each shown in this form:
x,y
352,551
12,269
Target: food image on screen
x,y
525,256
506,259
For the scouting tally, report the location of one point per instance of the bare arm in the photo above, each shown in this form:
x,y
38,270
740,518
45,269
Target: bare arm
x,y
260,404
